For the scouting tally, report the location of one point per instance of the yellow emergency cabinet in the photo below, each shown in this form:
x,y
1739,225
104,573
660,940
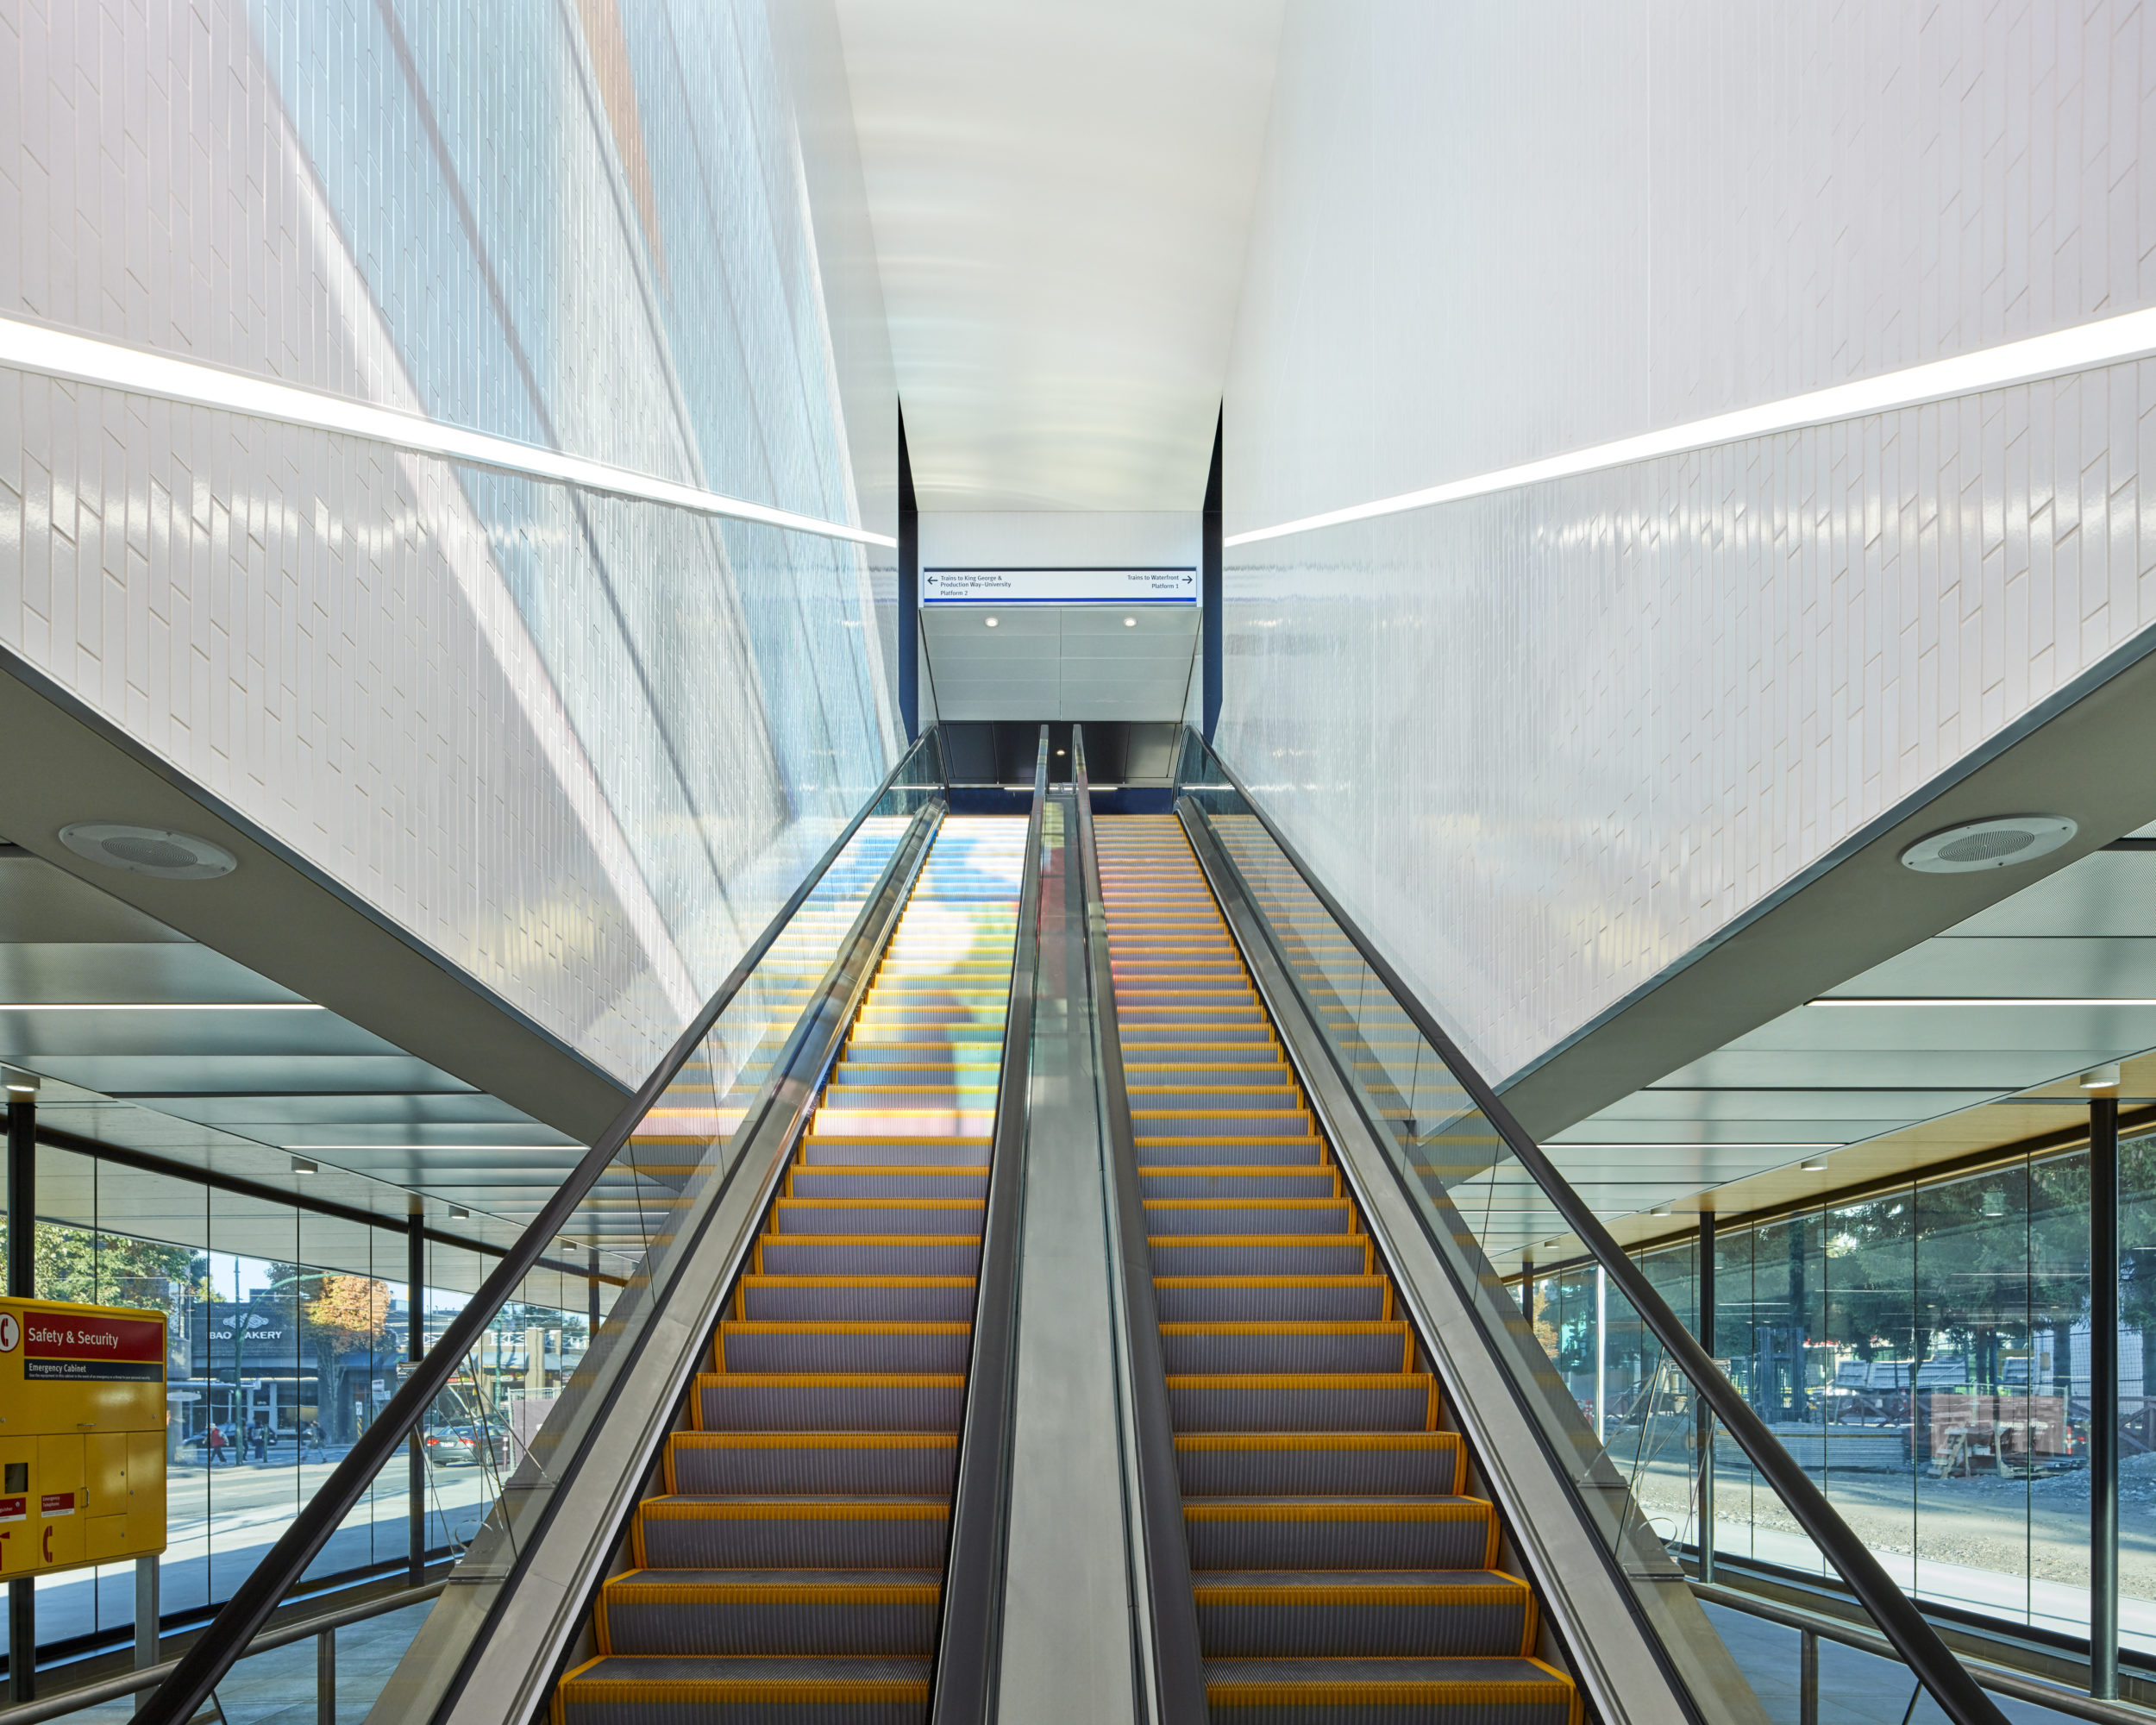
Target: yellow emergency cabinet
x,y
82,1435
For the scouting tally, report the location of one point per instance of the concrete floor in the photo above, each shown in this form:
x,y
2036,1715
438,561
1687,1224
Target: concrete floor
x,y
223,1523
279,1688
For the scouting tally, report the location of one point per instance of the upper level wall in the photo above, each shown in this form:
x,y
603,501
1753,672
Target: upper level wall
x,y
1549,742
578,745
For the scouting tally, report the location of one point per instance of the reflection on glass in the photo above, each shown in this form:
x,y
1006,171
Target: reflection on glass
x,y
1922,1354
633,1218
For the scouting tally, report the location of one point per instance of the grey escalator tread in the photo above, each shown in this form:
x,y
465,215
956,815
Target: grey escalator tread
x,y
1402,1690
792,1566
781,1612
739,1690
1435,1613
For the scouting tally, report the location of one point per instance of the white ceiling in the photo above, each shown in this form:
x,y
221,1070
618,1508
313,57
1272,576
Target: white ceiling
x,y
1061,196
2044,984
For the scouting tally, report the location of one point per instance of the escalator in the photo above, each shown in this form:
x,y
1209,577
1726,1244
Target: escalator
x,y
1340,1568
793,1565
1346,1483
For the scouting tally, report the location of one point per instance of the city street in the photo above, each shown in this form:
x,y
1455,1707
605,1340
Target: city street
x,y
222,1521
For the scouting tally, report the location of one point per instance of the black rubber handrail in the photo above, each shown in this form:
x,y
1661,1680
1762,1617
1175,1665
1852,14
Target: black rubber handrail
x,y
969,1641
182,1694
1948,1680
1178,1657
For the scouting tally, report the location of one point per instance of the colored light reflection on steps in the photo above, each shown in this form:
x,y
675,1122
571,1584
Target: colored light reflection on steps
x,y
1341,1571
793,1568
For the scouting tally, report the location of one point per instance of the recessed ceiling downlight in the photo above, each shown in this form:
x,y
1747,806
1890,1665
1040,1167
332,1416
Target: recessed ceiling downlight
x,y
1996,844
148,850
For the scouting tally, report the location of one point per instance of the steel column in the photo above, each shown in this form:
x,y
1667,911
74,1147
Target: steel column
x,y
1703,1327
1210,589
22,1285
146,1618
909,592
326,1678
414,1346
2104,1397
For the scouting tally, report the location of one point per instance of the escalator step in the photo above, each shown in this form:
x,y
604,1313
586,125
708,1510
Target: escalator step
x,y
1214,1182
832,1401
869,1255
812,1464
1340,1533
1345,1692
1258,1255
875,1216
845,1150
1305,1402
959,1181
1229,1124
842,1346
1365,1614
803,1612
1311,1464
1243,1348
1160,1155
851,1531
1219,1094
744,1691
1172,1216
915,1299
1258,1299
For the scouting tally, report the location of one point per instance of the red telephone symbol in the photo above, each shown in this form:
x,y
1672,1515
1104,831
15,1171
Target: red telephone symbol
x,y
48,1544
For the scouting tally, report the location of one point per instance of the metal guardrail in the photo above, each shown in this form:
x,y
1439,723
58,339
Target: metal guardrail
x,y
1815,1628
1952,1685
324,1625
237,1625
968,1650
1179,1683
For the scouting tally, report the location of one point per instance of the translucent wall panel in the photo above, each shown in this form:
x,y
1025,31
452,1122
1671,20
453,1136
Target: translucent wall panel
x,y
581,747
1545,744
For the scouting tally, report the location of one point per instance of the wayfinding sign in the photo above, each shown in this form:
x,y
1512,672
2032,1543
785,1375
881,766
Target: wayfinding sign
x,y
1162,584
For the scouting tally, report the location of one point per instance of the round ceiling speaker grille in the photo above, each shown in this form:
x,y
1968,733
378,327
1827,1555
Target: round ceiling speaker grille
x,y
148,850
1997,844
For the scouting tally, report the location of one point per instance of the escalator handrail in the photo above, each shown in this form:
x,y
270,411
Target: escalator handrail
x,y
241,1619
968,1649
1948,1680
1178,1656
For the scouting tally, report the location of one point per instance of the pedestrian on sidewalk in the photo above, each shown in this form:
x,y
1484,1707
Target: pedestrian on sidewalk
x,y
216,1446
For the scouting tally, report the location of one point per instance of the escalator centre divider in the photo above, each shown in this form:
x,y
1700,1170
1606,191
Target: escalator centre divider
x,y
796,1558
1337,1564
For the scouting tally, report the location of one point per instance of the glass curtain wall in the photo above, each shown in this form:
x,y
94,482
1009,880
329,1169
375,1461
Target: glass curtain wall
x,y
287,1330
1924,1353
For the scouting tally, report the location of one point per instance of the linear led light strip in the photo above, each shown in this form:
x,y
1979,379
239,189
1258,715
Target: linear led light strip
x,y
1716,1145
1982,1000
85,359
159,1006
2107,341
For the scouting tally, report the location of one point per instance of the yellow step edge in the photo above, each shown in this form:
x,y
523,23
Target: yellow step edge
x,y
743,1692
781,1592
1318,1380
1267,1441
1229,1694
